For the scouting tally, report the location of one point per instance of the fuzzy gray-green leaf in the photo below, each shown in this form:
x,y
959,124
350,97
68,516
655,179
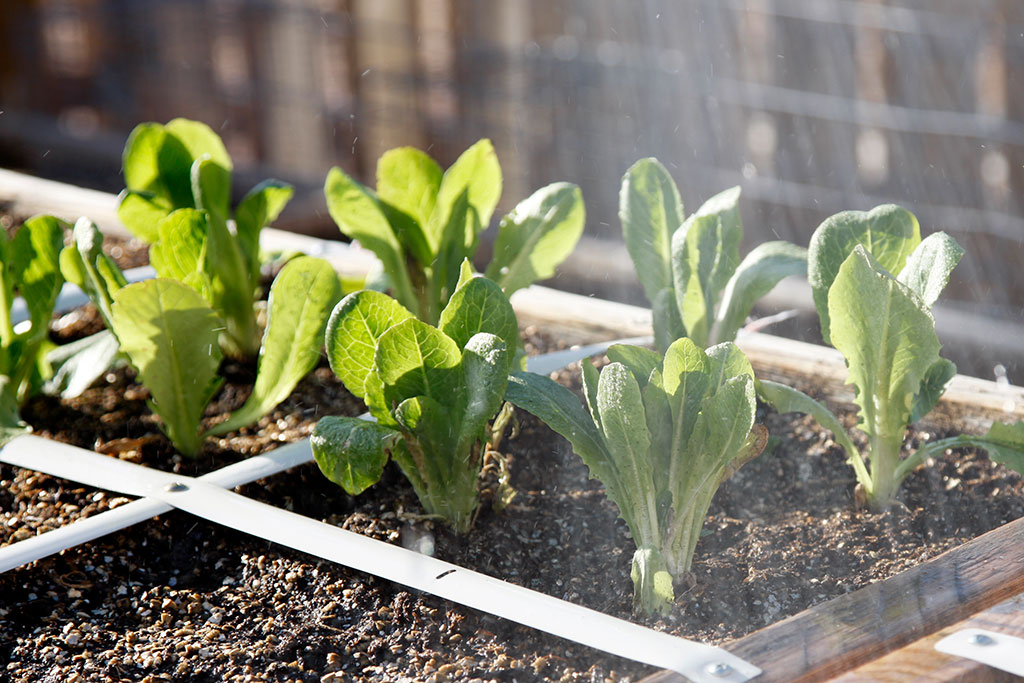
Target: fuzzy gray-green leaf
x,y
888,232
887,337
929,266
705,254
650,210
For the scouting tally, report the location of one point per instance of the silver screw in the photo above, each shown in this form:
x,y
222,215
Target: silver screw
x,y
718,669
981,639
176,487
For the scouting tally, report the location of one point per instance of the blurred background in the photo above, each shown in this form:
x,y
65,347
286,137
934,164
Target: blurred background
x,y
812,106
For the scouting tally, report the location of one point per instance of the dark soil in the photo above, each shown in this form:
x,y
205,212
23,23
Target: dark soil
x,y
179,598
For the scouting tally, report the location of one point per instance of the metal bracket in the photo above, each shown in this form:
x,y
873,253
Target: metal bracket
x,y
990,648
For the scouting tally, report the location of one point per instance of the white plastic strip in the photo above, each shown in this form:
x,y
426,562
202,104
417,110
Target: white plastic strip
x,y
206,498
19,452
990,648
249,470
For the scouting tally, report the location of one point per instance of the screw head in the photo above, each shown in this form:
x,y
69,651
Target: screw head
x,y
719,669
981,639
176,487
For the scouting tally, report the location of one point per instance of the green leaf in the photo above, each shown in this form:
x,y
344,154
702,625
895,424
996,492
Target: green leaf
x,y
200,140
650,210
415,359
408,182
485,376
259,207
359,216
889,233
301,300
181,248
728,416
1005,444
477,173
351,452
35,267
141,212
11,425
353,329
84,263
887,338
170,334
929,266
561,411
537,236
757,275
686,381
211,188
668,325
658,412
624,427
479,306
589,381
933,386
786,399
652,582
465,273
231,289
78,364
641,362
705,253
158,162
725,362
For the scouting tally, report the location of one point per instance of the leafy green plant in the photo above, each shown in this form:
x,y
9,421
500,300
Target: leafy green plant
x,y
662,434
883,326
432,390
690,267
29,268
422,223
184,166
170,334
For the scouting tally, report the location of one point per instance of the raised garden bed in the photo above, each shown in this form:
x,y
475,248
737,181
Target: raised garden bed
x,y
177,595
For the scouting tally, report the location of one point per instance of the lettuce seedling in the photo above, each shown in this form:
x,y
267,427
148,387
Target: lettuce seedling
x,y
432,390
883,326
170,334
662,434
690,268
184,166
422,223
29,268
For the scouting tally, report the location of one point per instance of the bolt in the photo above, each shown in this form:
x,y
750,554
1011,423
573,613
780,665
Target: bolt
x,y
981,639
176,487
718,669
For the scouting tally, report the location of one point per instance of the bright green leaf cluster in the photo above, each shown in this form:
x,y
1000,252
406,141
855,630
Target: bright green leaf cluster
x,y
170,333
29,268
662,434
178,198
882,323
422,223
690,267
432,390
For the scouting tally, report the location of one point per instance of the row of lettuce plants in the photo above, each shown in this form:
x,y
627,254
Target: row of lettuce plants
x,y
439,362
